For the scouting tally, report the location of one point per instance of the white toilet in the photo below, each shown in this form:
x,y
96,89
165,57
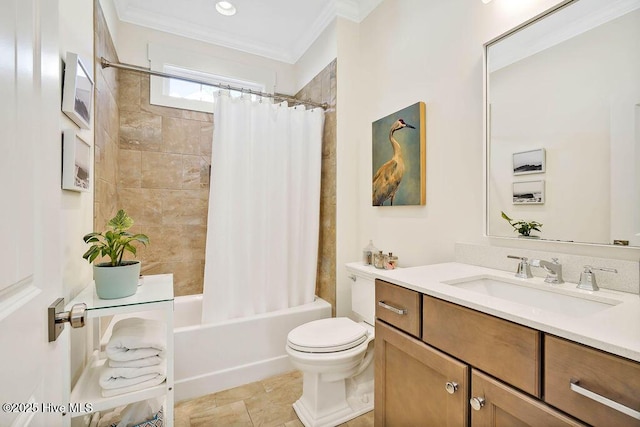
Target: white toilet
x,y
335,356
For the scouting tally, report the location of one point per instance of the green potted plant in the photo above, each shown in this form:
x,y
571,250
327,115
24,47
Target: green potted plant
x,y
116,278
523,227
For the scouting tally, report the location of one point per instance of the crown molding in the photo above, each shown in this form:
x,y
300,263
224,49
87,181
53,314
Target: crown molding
x,y
159,22
354,10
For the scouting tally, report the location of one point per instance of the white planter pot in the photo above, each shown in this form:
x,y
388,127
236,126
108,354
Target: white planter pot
x,y
116,282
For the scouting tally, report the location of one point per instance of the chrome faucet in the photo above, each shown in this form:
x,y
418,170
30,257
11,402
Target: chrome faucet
x,y
553,269
588,277
523,271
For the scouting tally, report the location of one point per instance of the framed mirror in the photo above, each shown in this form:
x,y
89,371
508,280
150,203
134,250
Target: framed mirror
x,y
563,115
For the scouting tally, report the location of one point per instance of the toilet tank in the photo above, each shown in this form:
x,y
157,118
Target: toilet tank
x,y
363,294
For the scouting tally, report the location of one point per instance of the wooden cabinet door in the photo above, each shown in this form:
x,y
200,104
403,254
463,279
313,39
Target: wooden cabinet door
x,y
499,405
411,383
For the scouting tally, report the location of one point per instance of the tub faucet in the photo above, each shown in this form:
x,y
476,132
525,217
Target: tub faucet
x,y
523,271
553,269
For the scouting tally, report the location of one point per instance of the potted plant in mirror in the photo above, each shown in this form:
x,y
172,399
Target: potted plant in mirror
x,y
116,278
524,228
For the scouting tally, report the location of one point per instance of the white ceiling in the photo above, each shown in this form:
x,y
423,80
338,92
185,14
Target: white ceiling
x,y
277,29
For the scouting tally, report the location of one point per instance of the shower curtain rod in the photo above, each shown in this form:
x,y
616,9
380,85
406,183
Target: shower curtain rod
x,y
105,63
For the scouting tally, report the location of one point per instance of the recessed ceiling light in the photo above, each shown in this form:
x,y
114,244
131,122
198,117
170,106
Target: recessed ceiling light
x,y
483,1
225,8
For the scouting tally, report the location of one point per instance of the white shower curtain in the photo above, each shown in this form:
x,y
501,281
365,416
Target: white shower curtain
x,y
264,208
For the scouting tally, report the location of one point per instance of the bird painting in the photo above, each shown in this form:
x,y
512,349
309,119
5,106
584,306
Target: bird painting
x,y
389,176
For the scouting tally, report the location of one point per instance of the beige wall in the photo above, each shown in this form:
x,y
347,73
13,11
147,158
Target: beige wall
x,y
348,245
321,52
430,50
322,88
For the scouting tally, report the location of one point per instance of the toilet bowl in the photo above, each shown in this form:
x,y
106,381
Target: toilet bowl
x,y
335,356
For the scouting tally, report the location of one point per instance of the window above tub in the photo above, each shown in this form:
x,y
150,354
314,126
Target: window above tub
x,y
177,93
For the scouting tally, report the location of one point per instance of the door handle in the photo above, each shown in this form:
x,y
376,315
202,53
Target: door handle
x,y
57,317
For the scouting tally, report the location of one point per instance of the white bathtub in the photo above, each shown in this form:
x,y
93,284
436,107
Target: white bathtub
x,y
214,357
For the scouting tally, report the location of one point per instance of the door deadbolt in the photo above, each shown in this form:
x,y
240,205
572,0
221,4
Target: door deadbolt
x,y
57,317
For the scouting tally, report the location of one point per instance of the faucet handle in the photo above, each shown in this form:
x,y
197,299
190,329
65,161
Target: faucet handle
x,y
607,269
524,270
555,260
588,277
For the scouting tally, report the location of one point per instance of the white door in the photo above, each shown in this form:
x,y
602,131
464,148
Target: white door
x,y
33,371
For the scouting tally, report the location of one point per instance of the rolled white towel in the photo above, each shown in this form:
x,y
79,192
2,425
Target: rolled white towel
x,y
136,363
112,378
135,338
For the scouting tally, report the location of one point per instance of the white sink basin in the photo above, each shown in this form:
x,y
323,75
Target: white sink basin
x,y
539,296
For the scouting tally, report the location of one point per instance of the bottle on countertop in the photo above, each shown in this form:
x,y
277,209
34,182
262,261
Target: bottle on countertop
x,y
378,260
391,262
368,252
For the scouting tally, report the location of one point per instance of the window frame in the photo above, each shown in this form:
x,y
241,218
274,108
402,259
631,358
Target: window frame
x,y
201,67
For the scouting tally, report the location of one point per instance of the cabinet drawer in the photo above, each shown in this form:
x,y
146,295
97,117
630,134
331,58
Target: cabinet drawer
x,y
398,306
612,377
500,348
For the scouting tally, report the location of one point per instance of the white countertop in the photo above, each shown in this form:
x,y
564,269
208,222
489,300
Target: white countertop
x,y
615,329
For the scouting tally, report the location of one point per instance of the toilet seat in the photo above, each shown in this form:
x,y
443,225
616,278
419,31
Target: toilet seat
x,y
327,336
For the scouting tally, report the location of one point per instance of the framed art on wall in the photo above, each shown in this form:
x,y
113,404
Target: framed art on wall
x,y
528,193
77,91
399,158
76,162
532,161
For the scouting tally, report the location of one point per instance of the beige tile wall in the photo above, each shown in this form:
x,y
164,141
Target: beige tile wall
x,y
106,126
323,89
163,181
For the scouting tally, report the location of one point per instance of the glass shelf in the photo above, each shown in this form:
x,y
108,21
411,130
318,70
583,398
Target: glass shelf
x,y
152,291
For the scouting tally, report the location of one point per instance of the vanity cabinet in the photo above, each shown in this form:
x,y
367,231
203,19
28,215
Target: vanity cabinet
x,y
467,369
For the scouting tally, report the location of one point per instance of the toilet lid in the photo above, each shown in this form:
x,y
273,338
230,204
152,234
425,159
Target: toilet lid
x,y
327,335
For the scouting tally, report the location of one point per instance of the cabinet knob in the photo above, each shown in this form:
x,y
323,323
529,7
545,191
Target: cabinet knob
x,y
451,387
477,403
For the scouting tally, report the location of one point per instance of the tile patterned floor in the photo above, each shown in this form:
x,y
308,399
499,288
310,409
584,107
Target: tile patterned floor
x,y
264,403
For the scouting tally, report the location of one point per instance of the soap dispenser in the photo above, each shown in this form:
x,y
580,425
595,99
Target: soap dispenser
x,y
368,252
